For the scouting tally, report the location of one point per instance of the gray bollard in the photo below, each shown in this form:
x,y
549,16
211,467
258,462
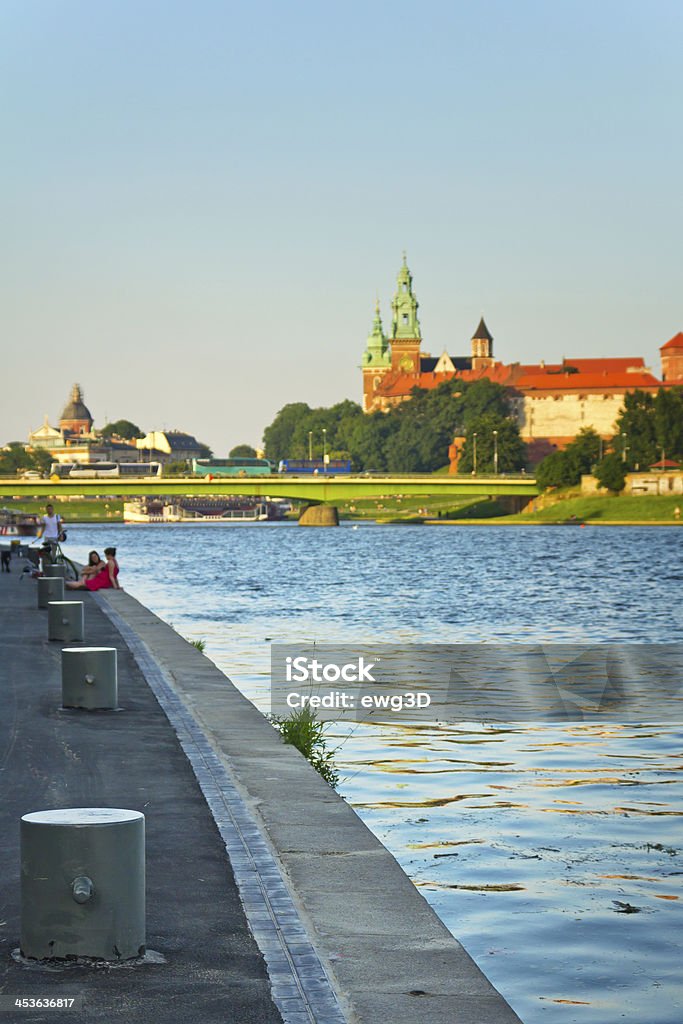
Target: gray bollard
x,y
56,569
50,588
89,678
65,621
83,883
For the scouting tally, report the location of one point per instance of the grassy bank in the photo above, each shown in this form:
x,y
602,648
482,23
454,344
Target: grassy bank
x,y
73,509
557,508
404,509
572,506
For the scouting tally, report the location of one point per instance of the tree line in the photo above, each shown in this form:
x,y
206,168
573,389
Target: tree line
x,y
412,437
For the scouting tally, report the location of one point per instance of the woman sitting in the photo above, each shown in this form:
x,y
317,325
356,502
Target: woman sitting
x,y
105,578
95,564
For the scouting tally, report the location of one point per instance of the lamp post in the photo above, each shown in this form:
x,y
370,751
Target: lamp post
x,y
474,454
495,453
310,445
324,449
624,449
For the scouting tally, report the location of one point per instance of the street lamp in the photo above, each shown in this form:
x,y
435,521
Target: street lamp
x,y
474,454
310,445
324,449
495,453
624,449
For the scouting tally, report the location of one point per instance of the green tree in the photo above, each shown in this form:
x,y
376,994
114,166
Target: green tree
x,y
277,438
554,471
124,429
635,432
668,423
368,441
611,473
243,451
16,458
482,398
176,467
565,468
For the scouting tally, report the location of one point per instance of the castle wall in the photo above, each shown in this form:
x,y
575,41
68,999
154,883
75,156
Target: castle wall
x,y
564,415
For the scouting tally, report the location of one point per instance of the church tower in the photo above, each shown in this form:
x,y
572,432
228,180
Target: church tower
x,y
76,418
482,347
376,361
405,328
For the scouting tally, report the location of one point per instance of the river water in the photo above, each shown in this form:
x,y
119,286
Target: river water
x,y
553,852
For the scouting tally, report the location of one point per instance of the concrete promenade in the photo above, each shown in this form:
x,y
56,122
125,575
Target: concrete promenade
x,y
267,898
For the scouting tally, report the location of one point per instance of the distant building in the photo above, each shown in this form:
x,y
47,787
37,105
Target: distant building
x,y
551,401
76,441
171,445
76,420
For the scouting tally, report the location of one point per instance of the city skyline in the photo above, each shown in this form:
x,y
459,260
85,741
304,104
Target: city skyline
x,y
201,207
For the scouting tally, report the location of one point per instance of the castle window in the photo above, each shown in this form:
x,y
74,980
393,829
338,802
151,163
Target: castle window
x,y
405,318
405,287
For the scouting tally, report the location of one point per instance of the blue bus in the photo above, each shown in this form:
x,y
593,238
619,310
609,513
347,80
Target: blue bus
x,y
232,467
317,466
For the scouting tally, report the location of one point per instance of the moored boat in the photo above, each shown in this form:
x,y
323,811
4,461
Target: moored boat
x,y
200,510
15,523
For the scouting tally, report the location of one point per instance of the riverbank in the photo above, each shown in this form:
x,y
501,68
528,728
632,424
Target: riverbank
x,y
323,897
567,507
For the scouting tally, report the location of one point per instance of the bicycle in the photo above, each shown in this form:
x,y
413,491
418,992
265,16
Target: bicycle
x,y
59,558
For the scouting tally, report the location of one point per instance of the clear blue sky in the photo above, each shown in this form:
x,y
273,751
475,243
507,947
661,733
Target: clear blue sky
x,y
200,201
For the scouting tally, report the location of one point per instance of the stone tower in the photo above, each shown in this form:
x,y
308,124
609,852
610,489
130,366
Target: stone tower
x,y
672,359
376,361
405,328
482,347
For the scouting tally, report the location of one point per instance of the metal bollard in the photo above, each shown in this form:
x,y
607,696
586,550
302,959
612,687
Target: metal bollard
x,y
89,678
57,569
83,883
50,588
65,621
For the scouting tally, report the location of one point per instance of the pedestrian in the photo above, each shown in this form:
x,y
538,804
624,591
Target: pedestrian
x,y
52,529
5,556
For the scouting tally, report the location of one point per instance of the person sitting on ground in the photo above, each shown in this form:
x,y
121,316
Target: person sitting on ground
x,y
105,579
95,564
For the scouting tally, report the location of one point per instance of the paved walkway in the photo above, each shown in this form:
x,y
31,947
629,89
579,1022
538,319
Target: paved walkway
x,y
345,934
213,971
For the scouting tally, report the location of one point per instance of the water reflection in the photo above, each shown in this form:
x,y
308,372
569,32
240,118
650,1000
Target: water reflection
x,y
528,840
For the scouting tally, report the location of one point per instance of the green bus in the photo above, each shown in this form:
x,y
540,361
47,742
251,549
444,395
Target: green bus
x,y
232,467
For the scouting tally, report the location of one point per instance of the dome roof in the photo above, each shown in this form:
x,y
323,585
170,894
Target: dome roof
x,y
76,409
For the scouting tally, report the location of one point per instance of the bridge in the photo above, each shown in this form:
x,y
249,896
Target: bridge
x,y
313,489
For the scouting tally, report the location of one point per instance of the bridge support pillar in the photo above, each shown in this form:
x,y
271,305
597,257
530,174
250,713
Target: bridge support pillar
x,y
319,515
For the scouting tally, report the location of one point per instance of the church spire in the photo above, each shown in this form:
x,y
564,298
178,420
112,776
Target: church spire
x,y
405,324
482,347
377,349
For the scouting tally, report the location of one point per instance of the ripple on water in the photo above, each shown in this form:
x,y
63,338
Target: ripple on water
x,y
526,840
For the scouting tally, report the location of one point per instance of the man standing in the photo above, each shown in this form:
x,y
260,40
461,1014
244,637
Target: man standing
x,y
51,529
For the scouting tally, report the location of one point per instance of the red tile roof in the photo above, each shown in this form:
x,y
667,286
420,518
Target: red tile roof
x,y
675,342
605,381
617,375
